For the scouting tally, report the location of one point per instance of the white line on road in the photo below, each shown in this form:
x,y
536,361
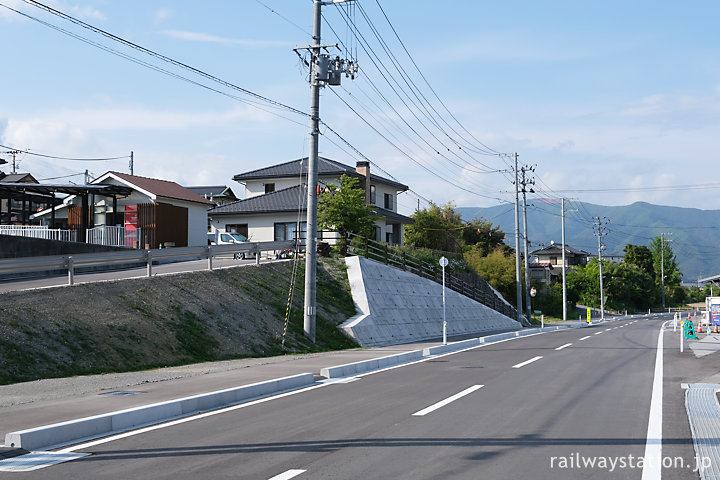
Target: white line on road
x,y
585,337
288,475
608,329
598,333
520,365
442,403
653,446
563,346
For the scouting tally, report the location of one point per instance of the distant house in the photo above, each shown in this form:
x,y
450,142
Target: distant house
x,y
547,262
18,204
276,199
162,211
218,194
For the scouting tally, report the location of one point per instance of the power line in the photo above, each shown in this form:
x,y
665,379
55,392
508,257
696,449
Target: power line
x,y
28,152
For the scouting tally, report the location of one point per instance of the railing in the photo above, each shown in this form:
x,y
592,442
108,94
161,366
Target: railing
x,y
34,231
71,262
469,284
113,236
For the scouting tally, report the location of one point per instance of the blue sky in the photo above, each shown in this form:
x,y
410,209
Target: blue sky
x,y
614,101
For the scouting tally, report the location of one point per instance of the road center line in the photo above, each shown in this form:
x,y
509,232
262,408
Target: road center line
x,y
527,362
585,337
598,333
448,400
288,475
563,346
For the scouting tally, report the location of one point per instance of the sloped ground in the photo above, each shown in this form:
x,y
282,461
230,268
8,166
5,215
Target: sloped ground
x,y
168,320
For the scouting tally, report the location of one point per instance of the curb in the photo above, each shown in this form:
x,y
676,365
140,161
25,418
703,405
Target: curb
x,y
74,431
363,366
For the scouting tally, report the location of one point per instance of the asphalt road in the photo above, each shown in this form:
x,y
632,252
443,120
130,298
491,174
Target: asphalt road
x,y
587,399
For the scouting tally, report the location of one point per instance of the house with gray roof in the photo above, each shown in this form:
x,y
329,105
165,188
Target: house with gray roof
x,y
276,198
547,263
218,194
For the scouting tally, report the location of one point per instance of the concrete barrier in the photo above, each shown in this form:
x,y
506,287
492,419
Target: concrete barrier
x,y
452,347
75,431
364,366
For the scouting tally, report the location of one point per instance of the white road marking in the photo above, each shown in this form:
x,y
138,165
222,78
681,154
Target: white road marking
x,y
585,337
37,460
563,346
608,329
598,333
288,475
527,362
442,403
653,447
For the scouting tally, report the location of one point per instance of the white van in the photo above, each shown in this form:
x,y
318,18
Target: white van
x,y
224,238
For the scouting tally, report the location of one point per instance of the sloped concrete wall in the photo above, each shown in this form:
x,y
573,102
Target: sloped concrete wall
x,y
400,307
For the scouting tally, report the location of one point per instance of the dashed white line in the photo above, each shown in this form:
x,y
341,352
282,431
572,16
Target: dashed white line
x,y
585,337
563,346
288,475
526,362
598,333
608,329
448,400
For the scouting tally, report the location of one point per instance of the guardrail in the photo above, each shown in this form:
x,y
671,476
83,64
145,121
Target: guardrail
x,y
71,262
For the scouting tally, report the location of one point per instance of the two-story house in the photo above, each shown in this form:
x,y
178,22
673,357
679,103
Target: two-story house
x,y
276,197
547,262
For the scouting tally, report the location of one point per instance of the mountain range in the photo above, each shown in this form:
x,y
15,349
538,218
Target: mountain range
x,y
691,232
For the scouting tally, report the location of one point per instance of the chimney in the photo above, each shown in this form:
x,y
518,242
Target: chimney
x,y
363,168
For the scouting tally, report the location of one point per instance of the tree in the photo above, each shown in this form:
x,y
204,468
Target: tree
x,y
497,268
641,256
664,261
483,235
343,209
436,228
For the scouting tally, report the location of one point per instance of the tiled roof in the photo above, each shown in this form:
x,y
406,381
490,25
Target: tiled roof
x,y
286,200
161,188
326,167
214,190
17,178
557,249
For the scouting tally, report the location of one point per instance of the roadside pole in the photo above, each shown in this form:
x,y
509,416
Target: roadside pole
x,y
443,264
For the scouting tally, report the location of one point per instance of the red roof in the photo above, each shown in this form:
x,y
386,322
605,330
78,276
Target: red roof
x,y
162,188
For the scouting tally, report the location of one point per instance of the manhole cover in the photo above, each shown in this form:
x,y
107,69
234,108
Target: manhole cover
x,y
119,394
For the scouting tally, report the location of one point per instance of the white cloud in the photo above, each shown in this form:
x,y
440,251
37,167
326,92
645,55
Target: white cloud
x,y
8,15
204,37
163,14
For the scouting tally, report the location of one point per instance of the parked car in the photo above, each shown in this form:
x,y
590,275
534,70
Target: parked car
x,y
224,238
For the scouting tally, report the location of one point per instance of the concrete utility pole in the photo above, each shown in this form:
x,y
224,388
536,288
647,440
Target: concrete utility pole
x,y
132,166
517,244
600,232
562,210
323,71
14,160
525,182
662,266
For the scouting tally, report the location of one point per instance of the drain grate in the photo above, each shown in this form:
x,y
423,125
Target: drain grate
x,y
119,394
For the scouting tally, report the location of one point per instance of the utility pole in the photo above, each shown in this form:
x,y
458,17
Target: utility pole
x,y
564,265
525,182
662,267
131,163
600,232
14,161
517,244
323,71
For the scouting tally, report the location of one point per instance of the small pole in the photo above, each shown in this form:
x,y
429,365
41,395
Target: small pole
x,y
542,321
71,271
443,264
682,337
149,263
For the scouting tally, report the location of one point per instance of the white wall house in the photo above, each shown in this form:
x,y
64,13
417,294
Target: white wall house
x,y
276,202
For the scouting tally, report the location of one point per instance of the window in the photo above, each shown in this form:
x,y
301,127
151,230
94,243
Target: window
x,y
286,231
389,237
372,195
389,201
269,187
378,234
241,228
553,260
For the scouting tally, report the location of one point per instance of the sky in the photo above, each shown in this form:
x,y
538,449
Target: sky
x,y
611,102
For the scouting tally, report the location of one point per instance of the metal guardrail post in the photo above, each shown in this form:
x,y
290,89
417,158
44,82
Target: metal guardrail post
x,y
367,249
386,254
210,258
71,271
149,262
257,255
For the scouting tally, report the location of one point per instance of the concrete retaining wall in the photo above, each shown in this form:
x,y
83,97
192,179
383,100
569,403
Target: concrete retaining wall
x,y
400,307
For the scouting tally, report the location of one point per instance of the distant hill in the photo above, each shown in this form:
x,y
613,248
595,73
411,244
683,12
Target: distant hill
x,y
693,233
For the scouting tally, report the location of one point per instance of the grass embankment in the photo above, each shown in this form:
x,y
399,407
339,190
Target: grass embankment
x,y
168,320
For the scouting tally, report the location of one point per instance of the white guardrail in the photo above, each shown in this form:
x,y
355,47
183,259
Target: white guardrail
x,y
71,262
